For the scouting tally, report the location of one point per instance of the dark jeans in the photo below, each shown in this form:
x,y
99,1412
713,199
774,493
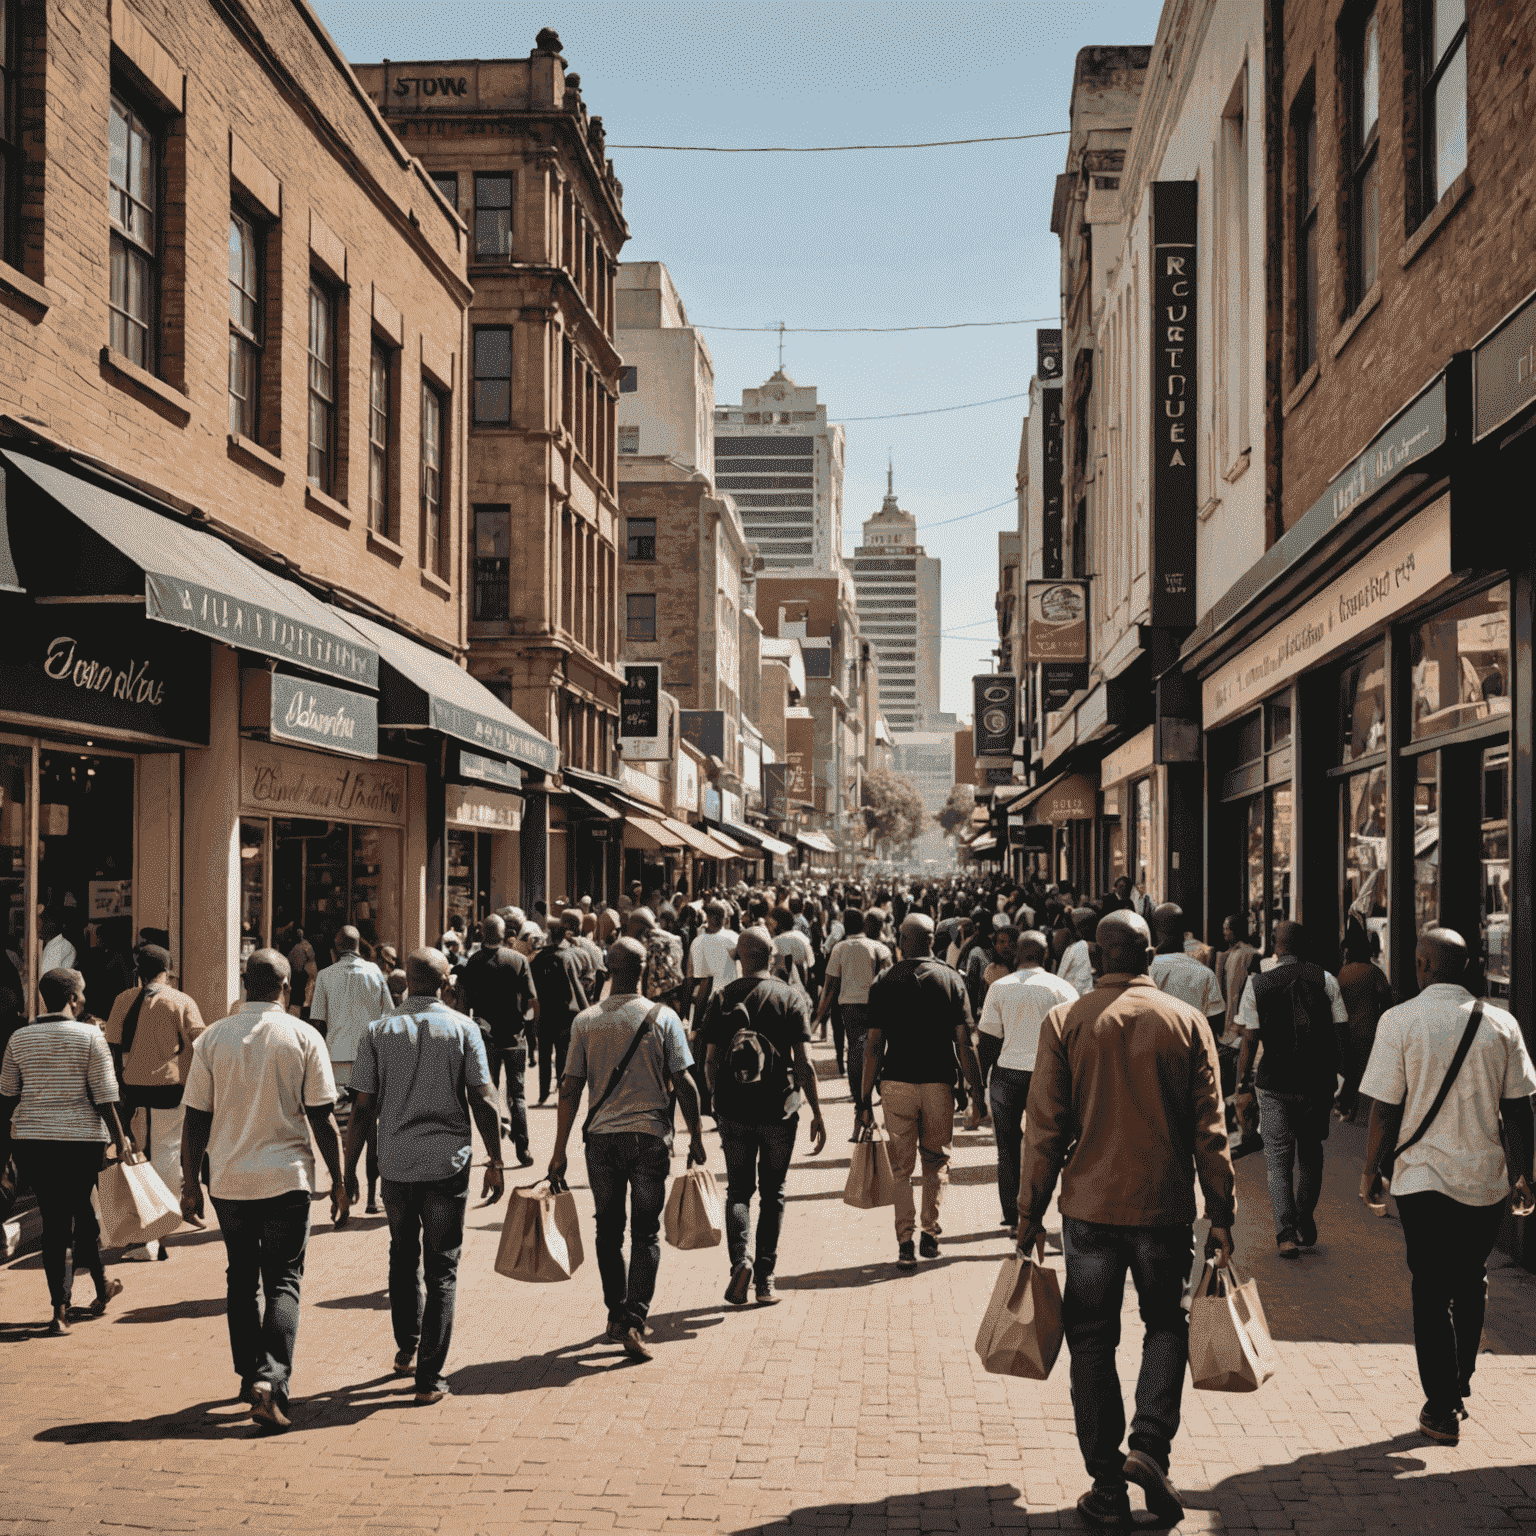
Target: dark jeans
x,y
62,1175
1448,1246
1098,1257
756,1161
629,1164
345,1104
1293,1153
553,1044
426,1214
1008,1090
855,1031
264,1241
837,1034
515,1061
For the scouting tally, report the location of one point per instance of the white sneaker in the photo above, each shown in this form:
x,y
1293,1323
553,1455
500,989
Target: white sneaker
x,y
142,1253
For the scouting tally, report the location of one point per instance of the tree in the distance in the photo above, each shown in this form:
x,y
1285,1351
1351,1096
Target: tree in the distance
x,y
956,811
893,810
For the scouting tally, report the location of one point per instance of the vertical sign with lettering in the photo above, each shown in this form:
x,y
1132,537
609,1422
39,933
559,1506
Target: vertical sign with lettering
x,y
1048,356
995,720
640,702
1174,206
1050,489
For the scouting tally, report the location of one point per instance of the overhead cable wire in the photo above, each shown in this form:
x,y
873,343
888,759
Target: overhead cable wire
x,y
884,330
939,410
839,149
1012,501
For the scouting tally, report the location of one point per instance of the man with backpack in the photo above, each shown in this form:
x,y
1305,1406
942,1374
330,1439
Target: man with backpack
x,y
1297,1013
755,1034
560,977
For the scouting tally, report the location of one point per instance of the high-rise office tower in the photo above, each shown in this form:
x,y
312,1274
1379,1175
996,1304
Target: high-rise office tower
x,y
898,590
782,462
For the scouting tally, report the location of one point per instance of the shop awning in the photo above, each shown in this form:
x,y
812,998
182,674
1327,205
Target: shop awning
x,y
983,843
592,803
759,839
190,579
423,689
651,834
817,842
722,849
733,849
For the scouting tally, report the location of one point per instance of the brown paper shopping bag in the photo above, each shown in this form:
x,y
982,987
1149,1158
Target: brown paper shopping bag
x,y
870,1180
1230,1349
695,1217
1021,1331
136,1207
540,1238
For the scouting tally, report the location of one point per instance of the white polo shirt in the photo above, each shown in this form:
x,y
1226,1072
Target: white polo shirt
x,y
1016,1007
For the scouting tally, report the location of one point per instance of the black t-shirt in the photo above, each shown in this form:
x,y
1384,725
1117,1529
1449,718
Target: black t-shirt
x,y
917,1005
498,987
560,978
779,1018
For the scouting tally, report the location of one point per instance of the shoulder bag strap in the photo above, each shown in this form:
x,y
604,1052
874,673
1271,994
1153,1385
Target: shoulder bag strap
x,y
646,1026
1451,1073
131,1021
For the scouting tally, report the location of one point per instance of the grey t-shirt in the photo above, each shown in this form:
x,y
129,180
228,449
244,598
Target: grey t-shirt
x,y
642,1102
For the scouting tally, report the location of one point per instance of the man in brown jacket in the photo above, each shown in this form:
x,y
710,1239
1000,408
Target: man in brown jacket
x,y
1127,1079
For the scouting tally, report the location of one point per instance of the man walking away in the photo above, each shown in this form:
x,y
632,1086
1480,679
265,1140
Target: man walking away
x,y
919,1016
560,978
663,980
755,1035
635,1056
712,965
1126,1080
1451,1178
420,1073
1184,976
498,986
1009,1036
259,1099
1297,1013
349,996
1076,964
151,1029
851,971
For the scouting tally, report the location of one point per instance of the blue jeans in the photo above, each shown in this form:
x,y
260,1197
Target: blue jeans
x,y
1292,1129
628,1165
1098,1257
425,1214
756,1161
1008,1089
265,1242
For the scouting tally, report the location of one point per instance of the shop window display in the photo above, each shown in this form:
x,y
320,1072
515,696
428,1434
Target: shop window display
x,y
1459,664
1363,706
1495,862
1364,844
324,875
15,771
1426,842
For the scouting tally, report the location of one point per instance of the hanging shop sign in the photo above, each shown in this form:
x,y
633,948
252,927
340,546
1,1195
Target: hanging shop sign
x,y
489,770
284,781
1048,355
487,810
640,702
1059,681
104,671
800,741
1174,493
1051,535
313,714
995,714
1071,800
1404,569
1056,621
776,789
686,783
1504,371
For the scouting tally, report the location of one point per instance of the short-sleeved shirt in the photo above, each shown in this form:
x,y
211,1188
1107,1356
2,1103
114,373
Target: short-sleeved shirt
x,y
1077,967
795,944
169,1024
714,955
1248,1009
1183,977
498,987
642,1102
349,996
61,1070
420,1062
663,963
256,1073
917,1006
561,977
856,962
1460,1155
779,1014
1015,1008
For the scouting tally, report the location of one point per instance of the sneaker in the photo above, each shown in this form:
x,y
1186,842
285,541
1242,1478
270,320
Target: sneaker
x,y
1442,1427
906,1256
1163,1499
114,1288
1306,1231
404,1362
741,1281
767,1296
618,1327
1105,1511
247,1392
635,1346
928,1246
1285,1245
371,1209
426,1399
264,1408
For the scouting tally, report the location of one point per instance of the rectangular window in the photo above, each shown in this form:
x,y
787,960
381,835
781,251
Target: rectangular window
x,y
1460,665
378,440
322,388
447,182
640,616
629,380
493,218
1364,53
493,375
493,561
1443,130
245,308
10,137
642,539
432,479
1304,132
133,179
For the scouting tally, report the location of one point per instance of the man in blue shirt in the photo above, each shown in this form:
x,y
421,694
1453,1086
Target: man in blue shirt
x,y
419,1074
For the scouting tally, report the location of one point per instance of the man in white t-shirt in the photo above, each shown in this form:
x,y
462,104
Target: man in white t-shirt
x,y
1453,1184
1011,1016
852,968
258,1089
712,967
1077,963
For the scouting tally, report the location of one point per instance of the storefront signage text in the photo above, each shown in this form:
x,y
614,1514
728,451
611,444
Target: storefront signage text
x,y
315,714
129,681
281,781
1071,800
490,770
484,809
1418,431
1051,481
497,735
1056,621
995,715
1402,570
1504,371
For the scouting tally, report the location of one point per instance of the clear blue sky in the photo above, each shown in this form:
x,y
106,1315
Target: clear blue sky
x,y
915,237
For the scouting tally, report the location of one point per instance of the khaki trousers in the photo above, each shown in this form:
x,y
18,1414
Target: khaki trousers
x,y
919,1118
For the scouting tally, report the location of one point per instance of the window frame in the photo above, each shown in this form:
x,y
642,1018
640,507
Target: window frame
x,y
483,580
1432,74
248,342
633,539
323,298
632,619
477,378
482,178
120,237
438,178
1362,158
12,162
383,437
1305,227
434,550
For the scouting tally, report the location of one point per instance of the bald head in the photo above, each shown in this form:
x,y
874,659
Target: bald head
x,y
266,974
348,940
1033,947
1168,924
641,921
626,960
1441,955
754,951
492,931
916,936
1125,943
1085,923
426,972
1291,939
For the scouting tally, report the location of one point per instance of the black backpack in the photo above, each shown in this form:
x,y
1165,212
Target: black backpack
x,y
1296,1028
754,1065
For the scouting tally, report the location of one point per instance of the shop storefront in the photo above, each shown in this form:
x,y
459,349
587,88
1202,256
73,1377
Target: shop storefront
x,y
1066,807
1131,823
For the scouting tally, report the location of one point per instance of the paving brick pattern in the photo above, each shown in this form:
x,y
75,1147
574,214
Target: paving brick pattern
x,y
857,1405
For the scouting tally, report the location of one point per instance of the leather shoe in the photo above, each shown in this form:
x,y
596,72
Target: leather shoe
x,y
1162,1497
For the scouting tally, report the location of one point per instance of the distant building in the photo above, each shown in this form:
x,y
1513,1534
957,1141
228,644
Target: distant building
x,y
667,382
927,758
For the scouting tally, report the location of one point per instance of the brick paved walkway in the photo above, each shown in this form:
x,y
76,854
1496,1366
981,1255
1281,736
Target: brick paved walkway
x,y
855,1405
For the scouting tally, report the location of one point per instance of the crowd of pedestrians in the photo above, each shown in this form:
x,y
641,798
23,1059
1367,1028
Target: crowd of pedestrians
x,y
1119,1062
